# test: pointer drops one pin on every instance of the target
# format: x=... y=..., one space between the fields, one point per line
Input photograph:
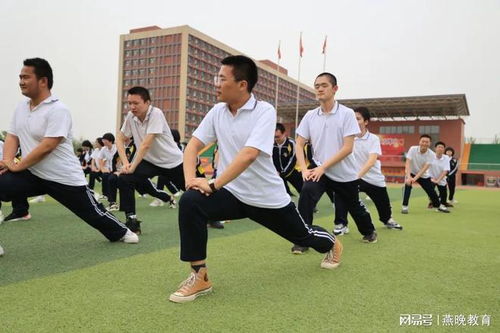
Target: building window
x=428 y=129
x=397 y=129
x=127 y=54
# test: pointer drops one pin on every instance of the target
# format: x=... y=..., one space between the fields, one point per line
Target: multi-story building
x=178 y=66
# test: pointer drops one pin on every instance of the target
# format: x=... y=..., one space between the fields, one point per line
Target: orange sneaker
x=195 y=285
x=332 y=257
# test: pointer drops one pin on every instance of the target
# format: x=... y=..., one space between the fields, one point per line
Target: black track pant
x=78 y=199
x=294 y=178
x=428 y=187
x=347 y=191
x=451 y=185
x=137 y=180
x=196 y=209
x=377 y=194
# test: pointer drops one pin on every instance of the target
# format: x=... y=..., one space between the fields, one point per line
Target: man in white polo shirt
x=366 y=152
x=418 y=160
x=331 y=129
x=438 y=171
x=157 y=153
x=247 y=184
x=41 y=126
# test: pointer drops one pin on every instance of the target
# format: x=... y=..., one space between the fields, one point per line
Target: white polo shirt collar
x=364 y=137
x=333 y=111
x=145 y=118
x=250 y=105
x=48 y=100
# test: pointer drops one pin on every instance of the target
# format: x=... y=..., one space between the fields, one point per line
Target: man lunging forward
x=244 y=129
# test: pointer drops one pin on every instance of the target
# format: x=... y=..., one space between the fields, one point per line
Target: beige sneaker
x=332 y=257
x=195 y=285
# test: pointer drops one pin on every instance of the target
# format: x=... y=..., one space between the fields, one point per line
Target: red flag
x=324 y=46
x=301 y=46
x=279 y=50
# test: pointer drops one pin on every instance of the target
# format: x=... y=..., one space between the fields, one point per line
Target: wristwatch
x=211 y=183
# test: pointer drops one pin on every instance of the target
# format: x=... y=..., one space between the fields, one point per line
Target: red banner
x=392 y=144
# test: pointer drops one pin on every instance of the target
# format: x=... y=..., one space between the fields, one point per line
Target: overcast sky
x=376 y=48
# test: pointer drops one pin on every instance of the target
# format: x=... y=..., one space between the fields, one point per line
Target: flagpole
x=298 y=87
x=324 y=54
x=277 y=77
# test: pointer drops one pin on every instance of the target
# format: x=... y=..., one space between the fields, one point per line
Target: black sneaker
x=216 y=224
x=17 y=217
x=297 y=249
x=134 y=225
x=371 y=238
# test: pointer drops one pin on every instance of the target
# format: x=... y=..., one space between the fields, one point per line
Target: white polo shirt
x=418 y=160
x=438 y=166
x=363 y=147
x=49 y=119
x=164 y=151
x=107 y=155
x=326 y=131
x=253 y=126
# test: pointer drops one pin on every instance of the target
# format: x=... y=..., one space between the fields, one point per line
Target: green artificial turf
x=59 y=275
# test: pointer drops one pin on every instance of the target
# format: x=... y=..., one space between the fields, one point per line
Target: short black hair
x=439 y=143
x=141 y=91
x=280 y=127
x=42 y=69
x=330 y=76
x=244 y=69
x=109 y=136
x=426 y=136
x=86 y=143
x=79 y=150
x=364 y=112
x=450 y=149
x=99 y=141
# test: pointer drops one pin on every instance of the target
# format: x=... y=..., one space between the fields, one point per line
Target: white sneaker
x=1 y=217
x=143 y=196
x=404 y=210
x=113 y=207
x=340 y=230
x=454 y=201
x=1 y=251
x=156 y=203
x=40 y=198
x=177 y=194
x=97 y=196
x=130 y=238
x=443 y=209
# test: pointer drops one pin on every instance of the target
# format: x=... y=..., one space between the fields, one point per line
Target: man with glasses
x=247 y=184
